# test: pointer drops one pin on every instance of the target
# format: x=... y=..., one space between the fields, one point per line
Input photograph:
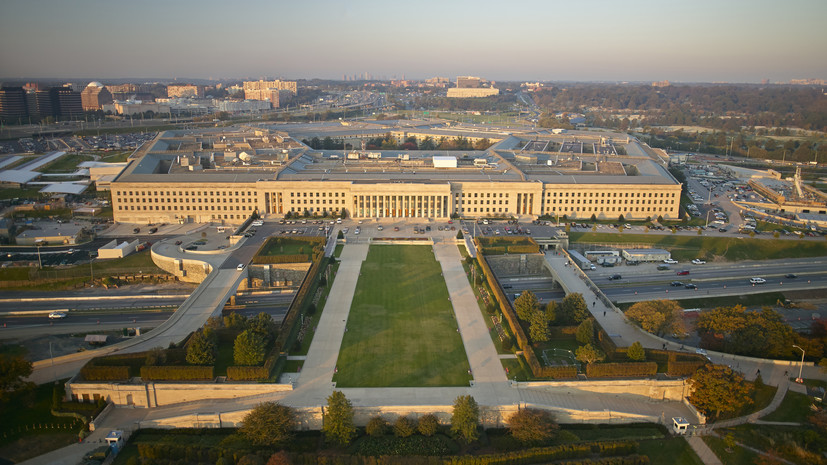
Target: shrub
x=428 y=425
x=176 y=373
x=404 y=427
x=532 y=426
x=377 y=426
x=249 y=348
x=105 y=373
x=621 y=370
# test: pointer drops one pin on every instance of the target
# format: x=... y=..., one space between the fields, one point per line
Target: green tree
x=465 y=418
x=585 y=332
x=532 y=426
x=762 y=333
x=716 y=390
x=201 y=349
x=551 y=312
x=636 y=352
x=573 y=309
x=404 y=427
x=589 y=354
x=269 y=424
x=538 y=329
x=377 y=426
x=13 y=370
x=428 y=425
x=249 y=349
x=338 y=419
x=235 y=321
x=262 y=324
x=525 y=305
x=658 y=316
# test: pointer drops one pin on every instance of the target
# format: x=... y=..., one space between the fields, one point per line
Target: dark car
x=691 y=286
x=683 y=272
x=614 y=277
x=676 y=284
x=791 y=276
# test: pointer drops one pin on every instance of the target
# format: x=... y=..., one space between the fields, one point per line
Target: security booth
x=679 y=425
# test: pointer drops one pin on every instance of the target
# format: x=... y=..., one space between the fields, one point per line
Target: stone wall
x=518 y=265
x=279 y=274
x=160 y=394
x=187 y=270
x=657 y=390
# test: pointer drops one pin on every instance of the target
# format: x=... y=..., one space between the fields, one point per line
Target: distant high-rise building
x=40 y=103
x=468 y=82
x=95 y=96
x=661 y=84
x=13 y=104
x=471 y=87
x=66 y=103
x=125 y=88
x=261 y=90
x=185 y=90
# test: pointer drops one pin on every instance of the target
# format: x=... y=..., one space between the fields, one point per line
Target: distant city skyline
x=592 y=40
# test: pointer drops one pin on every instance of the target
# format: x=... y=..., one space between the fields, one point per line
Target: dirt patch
x=63 y=344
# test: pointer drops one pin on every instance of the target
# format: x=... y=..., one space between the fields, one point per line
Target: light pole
x=39 y=261
x=799 y=380
x=707 y=218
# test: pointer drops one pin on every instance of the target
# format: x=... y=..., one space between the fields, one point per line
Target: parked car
x=240 y=267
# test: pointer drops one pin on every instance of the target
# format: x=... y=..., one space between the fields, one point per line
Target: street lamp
x=799 y=380
x=707 y=218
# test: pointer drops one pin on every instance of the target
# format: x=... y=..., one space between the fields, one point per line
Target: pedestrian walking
x=604 y=312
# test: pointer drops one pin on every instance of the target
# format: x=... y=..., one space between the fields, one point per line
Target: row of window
x=185 y=193
x=185 y=200
x=177 y=208
x=611 y=194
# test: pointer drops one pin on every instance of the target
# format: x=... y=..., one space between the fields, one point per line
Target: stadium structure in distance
x=225 y=175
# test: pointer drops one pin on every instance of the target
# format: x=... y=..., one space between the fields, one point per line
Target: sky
x=520 y=40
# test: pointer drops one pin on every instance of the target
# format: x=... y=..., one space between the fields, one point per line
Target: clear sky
x=583 y=40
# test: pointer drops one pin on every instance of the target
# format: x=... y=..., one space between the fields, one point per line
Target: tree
x=551 y=311
x=13 y=369
x=404 y=427
x=235 y=321
x=201 y=349
x=762 y=333
x=573 y=309
x=532 y=426
x=636 y=352
x=589 y=354
x=823 y=364
x=249 y=348
x=465 y=418
x=377 y=426
x=428 y=425
x=585 y=332
x=262 y=324
x=338 y=419
x=717 y=390
x=269 y=424
x=538 y=329
x=658 y=316
x=525 y=305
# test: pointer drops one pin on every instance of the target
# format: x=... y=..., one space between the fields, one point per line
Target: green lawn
x=709 y=248
x=670 y=451
x=794 y=408
x=288 y=246
x=401 y=330
x=736 y=456
x=66 y=163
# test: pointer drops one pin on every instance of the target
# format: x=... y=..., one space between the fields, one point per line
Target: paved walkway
x=704 y=452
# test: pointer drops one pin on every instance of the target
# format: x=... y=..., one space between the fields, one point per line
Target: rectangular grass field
x=401 y=331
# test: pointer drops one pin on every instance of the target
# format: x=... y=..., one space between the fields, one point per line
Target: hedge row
x=273 y=259
x=621 y=370
x=245 y=373
x=509 y=314
x=524 y=249
x=104 y=373
x=676 y=368
x=176 y=373
x=559 y=372
x=300 y=301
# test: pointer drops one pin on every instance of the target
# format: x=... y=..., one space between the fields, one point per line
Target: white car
x=670 y=261
x=240 y=267
x=698 y=261
x=57 y=315
x=757 y=280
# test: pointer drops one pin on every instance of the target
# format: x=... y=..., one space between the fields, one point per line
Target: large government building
x=225 y=175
